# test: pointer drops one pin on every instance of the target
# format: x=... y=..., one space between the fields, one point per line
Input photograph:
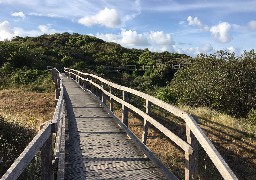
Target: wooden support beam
x=103 y=96
x=125 y=109
x=191 y=160
x=111 y=102
x=146 y=123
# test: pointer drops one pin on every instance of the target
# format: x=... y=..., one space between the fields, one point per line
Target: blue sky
x=183 y=26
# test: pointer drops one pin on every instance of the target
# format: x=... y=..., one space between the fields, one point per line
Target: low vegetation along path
x=96 y=147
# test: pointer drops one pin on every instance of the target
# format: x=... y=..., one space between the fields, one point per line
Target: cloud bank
x=106 y=17
x=221 y=32
x=153 y=40
x=7 y=32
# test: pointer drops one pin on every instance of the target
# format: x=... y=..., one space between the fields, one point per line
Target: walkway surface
x=96 y=147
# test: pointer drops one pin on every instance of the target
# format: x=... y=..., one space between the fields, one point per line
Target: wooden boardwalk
x=96 y=147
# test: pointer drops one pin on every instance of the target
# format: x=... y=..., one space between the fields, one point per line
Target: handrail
x=193 y=131
x=44 y=139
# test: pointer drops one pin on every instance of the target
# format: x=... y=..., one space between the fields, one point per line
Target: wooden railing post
x=191 y=160
x=103 y=96
x=111 y=102
x=46 y=160
x=85 y=84
x=125 y=109
x=92 y=88
x=145 y=123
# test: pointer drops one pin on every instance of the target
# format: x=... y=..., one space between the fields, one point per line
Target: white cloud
x=205 y=48
x=133 y=38
x=154 y=40
x=197 y=23
x=46 y=29
x=161 y=41
x=189 y=51
x=106 y=17
x=231 y=49
x=221 y=32
x=160 y=38
x=235 y=50
x=8 y=32
x=252 y=24
x=109 y=37
x=5 y=31
x=19 y=14
x=194 y=21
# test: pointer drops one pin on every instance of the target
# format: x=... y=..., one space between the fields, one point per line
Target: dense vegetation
x=222 y=81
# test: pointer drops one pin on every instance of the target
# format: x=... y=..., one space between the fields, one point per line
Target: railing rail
x=173 y=66
x=193 y=132
x=51 y=132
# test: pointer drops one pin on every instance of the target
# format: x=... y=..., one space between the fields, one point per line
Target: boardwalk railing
x=140 y=67
x=51 y=133
x=194 y=133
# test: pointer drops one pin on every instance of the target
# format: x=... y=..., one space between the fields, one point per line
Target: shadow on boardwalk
x=74 y=158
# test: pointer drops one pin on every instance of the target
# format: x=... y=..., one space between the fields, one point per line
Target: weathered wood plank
x=139 y=144
x=185 y=146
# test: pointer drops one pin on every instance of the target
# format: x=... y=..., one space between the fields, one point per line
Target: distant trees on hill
x=72 y=50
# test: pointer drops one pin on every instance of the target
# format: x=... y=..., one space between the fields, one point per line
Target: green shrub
x=165 y=94
x=218 y=81
x=25 y=76
x=252 y=116
x=31 y=79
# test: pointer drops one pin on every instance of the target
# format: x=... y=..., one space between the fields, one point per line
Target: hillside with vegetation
x=218 y=88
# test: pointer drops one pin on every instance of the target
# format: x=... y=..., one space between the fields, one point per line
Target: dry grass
x=28 y=109
x=234 y=139
x=21 y=114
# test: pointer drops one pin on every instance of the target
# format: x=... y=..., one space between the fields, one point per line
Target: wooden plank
x=139 y=144
x=184 y=145
x=28 y=154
